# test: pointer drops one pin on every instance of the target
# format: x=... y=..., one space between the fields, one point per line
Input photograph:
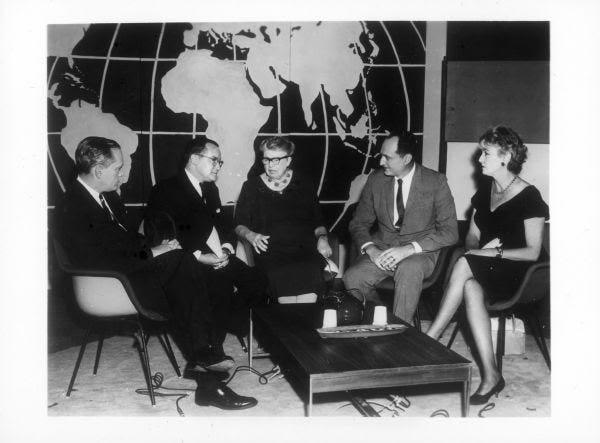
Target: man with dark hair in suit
x=91 y=226
x=415 y=215
x=192 y=200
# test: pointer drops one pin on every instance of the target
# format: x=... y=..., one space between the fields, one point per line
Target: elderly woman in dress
x=278 y=213
x=504 y=238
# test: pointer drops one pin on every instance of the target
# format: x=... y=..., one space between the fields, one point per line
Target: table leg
x=465 y=396
x=310 y=399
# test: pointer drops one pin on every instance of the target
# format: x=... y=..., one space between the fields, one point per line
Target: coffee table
x=346 y=364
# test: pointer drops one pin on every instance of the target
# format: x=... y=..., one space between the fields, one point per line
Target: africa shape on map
x=333 y=87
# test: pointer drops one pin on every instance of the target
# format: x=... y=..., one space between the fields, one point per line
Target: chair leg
x=141 y=338
x=78 y=362
x=536 y=328
x=453 y=336
x=250 y=340
x=164 y=340
x=98 y=351
x=500 y=341
x=417 y=319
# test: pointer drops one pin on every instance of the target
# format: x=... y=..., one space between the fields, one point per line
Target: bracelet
x=499 y=251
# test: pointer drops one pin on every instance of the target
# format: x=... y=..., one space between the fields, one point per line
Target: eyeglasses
x=273 y=161
x=215 y=160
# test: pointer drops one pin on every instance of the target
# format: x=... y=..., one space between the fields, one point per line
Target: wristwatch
x=499 y=251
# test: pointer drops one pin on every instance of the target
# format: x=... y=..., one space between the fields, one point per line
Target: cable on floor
x=158 y=378
x=486 y=408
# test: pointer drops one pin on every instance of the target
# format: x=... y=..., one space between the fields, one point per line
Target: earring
x=503 y=164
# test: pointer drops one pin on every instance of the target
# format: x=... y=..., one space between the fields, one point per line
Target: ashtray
x=358 y=331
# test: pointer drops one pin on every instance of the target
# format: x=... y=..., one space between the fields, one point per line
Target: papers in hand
x=214 y=243
x=331 y=267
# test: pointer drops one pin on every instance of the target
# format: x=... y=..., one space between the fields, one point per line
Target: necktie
x=109 y=212
x=399 y=204
x=202 y=193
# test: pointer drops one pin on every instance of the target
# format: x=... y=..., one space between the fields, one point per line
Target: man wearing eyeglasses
x=192 y=200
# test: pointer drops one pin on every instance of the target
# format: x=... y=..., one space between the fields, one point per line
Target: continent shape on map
x=324 y=56
x=85 y=119
x=218 y=90
x=63 y=38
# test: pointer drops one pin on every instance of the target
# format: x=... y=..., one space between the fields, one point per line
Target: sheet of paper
x=332 y=267
x=214 y=243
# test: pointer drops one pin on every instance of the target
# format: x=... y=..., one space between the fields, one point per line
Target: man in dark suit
x=192 y=200
x=415 y=216
x=91 y=226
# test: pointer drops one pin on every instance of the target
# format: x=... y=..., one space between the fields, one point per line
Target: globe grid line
x=110 y=48
x=259 y=134
x=401 y=75
x=326 y=154
x=418 y=35
x=150 y=138
x=56 y=174
x=170 y=59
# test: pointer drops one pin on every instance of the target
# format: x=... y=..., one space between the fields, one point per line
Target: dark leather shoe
x=481 y=399
x=223 y=398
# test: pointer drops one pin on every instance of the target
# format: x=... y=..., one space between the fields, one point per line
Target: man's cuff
x=417 y=247
x=363 y=247
x=197 y=254
x=228 y=247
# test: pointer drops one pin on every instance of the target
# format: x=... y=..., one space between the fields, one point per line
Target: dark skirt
x=292 y=275
x=500 y=278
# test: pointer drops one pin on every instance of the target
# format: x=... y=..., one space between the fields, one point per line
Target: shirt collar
x=408 y=177
x=194 y=181
x=95 y=194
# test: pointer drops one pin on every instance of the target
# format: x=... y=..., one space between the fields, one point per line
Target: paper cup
x=329 y=318
x=380 y=316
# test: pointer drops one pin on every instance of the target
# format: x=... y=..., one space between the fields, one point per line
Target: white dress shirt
x=406 y=182
x=196 y=184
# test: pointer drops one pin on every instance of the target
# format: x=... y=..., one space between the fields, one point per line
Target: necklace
x=503 y=191
x=281 y=181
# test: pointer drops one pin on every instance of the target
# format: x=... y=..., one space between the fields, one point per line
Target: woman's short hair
x=277 y=143
x=508 y=141
x=92 y=151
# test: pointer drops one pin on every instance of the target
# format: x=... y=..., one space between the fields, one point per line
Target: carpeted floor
x=112 y=391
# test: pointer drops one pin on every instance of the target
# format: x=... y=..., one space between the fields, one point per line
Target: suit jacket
x=194 y=216
x=429 y=218
x=91 y=238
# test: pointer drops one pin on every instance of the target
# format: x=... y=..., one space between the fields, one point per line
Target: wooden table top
x=294 y=326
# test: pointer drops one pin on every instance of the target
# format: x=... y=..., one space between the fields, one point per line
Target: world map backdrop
x=334 y=88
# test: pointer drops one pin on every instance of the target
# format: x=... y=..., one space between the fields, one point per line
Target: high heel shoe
x=481 y=399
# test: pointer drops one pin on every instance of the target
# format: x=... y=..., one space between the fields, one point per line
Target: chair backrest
x=100 y=296
x=61 y=256
x=534 y=287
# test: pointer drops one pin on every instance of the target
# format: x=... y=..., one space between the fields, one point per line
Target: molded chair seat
x=107 y=296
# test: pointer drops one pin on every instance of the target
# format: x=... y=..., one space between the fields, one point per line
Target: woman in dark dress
x=504 y=238
x=278 y=213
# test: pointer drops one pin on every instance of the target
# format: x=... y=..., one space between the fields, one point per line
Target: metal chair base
x=141 y=338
